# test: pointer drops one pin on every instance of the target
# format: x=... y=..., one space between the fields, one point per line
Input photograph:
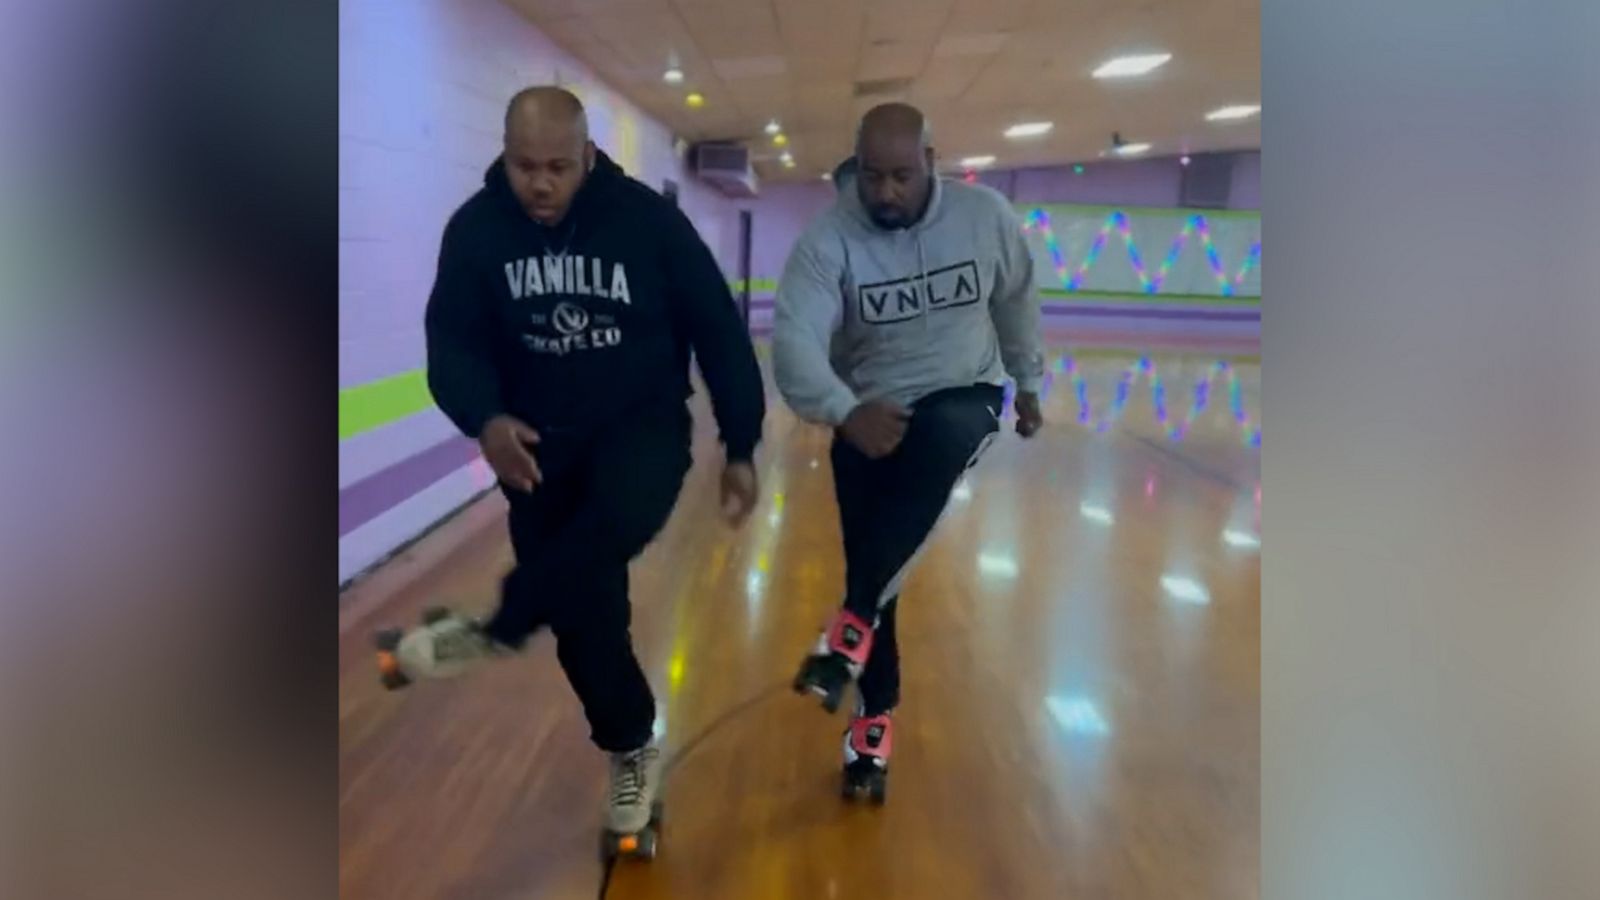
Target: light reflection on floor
x=1081 y=668
x=1179 y=391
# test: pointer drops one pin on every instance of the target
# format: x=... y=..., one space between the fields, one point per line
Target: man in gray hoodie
x=900 y=312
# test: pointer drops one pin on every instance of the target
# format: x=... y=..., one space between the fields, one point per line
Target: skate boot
x=633 y=820
x=446 y=644
x=837 y=659
x=866 y=757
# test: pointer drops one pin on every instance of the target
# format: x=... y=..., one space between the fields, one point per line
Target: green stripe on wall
x=1132 y=298
x=1163 y=211
x=377 y=403
x=757 y=285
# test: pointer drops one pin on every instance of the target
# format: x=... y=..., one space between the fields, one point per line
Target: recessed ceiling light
x=695 y=100
x=773 y=127
x=1232 y=113
x=976 y=162
x=1186 y=590
x=673 y=75
x=1235 y=538
x=1131 y=66
x=1029 y=129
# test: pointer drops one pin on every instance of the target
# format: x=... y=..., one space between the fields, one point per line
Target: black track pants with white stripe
x=888 y=508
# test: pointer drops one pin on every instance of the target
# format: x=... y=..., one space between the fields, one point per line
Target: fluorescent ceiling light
x=1096 y=513
x=1232 y=113
x=1029 y=129
x=976 y=162
x=1132 y=149
x=1236 y=538
x=1186 y=590
x=1131 y=66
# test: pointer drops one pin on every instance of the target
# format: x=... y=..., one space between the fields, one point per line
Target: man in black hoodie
x=568 y=300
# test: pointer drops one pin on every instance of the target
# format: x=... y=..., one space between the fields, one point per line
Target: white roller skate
x=633 y=818
x=445 y=645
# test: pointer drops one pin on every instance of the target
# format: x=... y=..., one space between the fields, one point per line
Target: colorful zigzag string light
x=1038 y=221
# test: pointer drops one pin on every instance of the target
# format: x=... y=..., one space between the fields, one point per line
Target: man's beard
x=889 y=218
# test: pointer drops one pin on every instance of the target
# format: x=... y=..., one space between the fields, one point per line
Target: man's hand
x=739 y=491
x=1029 y=417
x=505 y=442
x=876 y=427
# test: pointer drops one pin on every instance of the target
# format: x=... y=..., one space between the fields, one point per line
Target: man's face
x=892 y=179
x=546 y=164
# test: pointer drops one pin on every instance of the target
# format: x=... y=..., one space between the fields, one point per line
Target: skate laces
x=628 y=776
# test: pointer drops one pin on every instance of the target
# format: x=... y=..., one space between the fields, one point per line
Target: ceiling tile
x=975 y=66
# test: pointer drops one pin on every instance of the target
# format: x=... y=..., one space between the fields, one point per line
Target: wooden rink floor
x=1080 y=714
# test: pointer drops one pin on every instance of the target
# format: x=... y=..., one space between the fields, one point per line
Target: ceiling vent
x=882 y=87
x=726 y=167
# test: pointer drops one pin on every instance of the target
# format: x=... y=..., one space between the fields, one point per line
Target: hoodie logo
x=569 y=318
x=887 y=302
x=583 y=276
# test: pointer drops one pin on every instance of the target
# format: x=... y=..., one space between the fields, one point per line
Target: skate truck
x=641 y=844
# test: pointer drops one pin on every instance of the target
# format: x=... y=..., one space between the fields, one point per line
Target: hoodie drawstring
x=922 y=270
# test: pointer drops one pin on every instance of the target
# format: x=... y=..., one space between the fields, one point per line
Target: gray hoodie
x=869 y=314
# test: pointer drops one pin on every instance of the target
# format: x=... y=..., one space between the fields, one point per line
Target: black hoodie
x=589 y=323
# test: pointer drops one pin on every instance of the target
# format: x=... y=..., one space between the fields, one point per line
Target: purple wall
x=1246 y=193
x=783 y=211
x=1145 y=182
x=778 y=216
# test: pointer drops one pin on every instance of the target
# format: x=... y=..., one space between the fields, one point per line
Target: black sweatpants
x=603 y=499
x=888 y=508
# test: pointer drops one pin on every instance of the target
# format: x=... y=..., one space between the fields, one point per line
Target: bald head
x=546 y=106
x=893 y=122
x=895 y=163
x=547 y=150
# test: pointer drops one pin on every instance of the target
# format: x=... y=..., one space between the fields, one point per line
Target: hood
x=601 y=180
x=849 y=203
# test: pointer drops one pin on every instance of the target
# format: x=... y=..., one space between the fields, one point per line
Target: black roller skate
x=633 y=819
x=866 y=757
x=446 y=644
x=837 y=659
